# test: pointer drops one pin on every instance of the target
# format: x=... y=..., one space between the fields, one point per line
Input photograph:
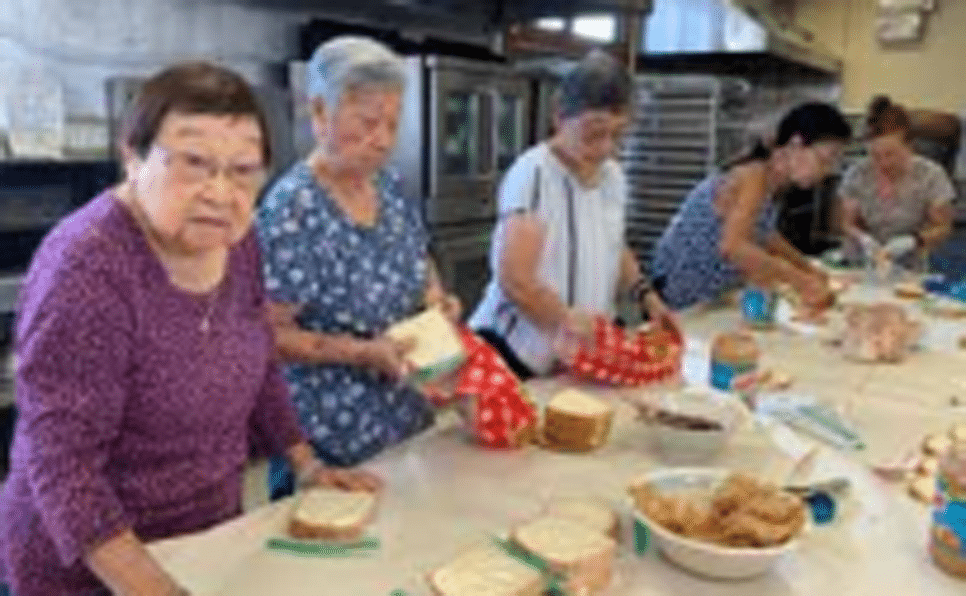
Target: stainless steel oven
x=462 y=255
x=464 y=122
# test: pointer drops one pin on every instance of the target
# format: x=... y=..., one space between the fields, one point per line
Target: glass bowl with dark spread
x=693 y=427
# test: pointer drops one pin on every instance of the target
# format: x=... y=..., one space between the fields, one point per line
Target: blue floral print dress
x=346 y=278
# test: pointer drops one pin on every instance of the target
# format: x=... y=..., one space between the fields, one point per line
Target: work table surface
x=443 y=494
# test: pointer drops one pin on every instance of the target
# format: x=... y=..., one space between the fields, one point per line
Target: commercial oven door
x=511 y=131
x=462 y=166
x=462 y=256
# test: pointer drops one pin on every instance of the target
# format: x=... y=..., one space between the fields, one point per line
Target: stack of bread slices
x=574 y=540
x=575 y=421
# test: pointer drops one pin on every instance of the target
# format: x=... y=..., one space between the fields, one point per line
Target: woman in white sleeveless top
x=559 y=257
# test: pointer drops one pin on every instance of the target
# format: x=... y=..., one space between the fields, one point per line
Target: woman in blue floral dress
x=346 y=256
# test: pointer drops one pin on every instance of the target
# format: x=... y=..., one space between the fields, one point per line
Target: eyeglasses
x=189 y=167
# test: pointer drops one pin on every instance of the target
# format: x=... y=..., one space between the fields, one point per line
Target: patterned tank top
x=688 y=265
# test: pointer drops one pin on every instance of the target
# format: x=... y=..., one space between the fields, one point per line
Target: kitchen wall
x=926 y=74
x=81 y=43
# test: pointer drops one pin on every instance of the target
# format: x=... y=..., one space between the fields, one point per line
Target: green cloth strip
x=642 y=537
x=434 y=371
x=323 y=549
x=554 y=580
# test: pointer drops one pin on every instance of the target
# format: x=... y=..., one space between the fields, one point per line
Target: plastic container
x=947 y=543
x=758 y=307
x=732 y=354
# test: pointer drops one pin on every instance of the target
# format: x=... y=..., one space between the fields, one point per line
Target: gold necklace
x=205 y=325
x=128 y=192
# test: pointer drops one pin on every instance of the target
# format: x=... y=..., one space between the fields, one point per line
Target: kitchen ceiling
x=467 y=15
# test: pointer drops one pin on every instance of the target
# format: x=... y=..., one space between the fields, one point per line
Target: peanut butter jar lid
x=952 y=465
x=735 y=346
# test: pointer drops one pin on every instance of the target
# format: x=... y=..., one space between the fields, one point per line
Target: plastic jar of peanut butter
x=733 y=354
x=758 y=307
x=947 y=543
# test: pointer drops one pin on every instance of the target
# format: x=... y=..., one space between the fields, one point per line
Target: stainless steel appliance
x=731 y=36
x=462 y=255
x=464 y=123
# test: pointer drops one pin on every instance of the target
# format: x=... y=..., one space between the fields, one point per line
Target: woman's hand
x=869 y=245
x=816 y=294
x=126 y=568
x=450 y=305
x=574 y=332
x=660 y=314
x=899 y=246
x=388 y=356
x=318 y=475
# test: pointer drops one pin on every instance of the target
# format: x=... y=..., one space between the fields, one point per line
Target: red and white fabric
x=497 y=411
x=623 y=358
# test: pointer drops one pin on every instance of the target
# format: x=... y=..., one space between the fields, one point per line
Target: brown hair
x=190 y=88
x=886 y=118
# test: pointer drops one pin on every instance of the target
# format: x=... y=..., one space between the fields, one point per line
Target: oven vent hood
x=743 y=37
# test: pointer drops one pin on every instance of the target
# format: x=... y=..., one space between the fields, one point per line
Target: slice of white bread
x=332 y=514
x=908 y=289
x=593 y=513
x=574 y=420
x=582 y=555
x=957 y=433
x=485 y=570
x=438 y=348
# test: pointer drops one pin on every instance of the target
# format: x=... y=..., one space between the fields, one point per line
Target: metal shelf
x=684 y=125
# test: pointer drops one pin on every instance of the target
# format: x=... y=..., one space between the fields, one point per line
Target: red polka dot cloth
x=497 y=411
x=623 y=358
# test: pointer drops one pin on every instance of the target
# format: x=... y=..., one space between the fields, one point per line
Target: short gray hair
x=596 y=82
x=348 y=62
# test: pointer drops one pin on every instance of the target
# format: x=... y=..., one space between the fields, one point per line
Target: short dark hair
x=813 y=122
x=596 y=82
x=886 y=118
x=190 y=88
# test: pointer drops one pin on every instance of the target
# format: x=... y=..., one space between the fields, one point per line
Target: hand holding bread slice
x=437 y=348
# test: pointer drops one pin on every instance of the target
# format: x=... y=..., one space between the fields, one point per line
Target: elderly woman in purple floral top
x=146 y=372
